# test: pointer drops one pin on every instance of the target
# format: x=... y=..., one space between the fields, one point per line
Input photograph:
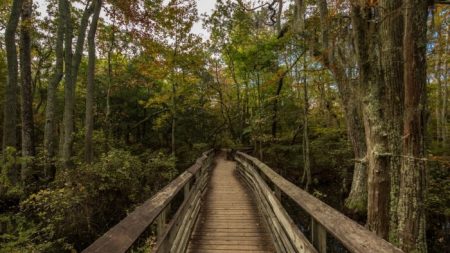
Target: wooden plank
x=229 y=220
x=319 y=236
x=353 y=236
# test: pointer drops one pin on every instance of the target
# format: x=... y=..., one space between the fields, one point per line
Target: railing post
x=161 y=222
x=277 y=192
x=318 y=236
x=187 y=189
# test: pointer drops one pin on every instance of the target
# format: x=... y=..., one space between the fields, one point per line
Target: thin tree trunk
x=306 y=163
x=90 y=96
x=411 y=205
x=68 y=96
x=72 y=62
x=108 y=92
x=50 y=121
x=28 y=146
x=174 y=122
x=445 y=107
x=275 y=107
x=10 y=105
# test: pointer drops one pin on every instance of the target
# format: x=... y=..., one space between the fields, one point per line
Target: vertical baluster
x=187 y=189
x=277 y=192
x=161 y=222
x=319 y=236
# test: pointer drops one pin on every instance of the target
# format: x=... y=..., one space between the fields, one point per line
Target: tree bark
x=50 y=122
x=411 y=205
x=90 y=96
x=10 y=106
x=28 y=145
x=391 y=30
x=68 y=96
x=376 y=128
x=72 y=62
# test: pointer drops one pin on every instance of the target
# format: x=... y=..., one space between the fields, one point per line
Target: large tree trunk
x=391 y=30
x=10 y=106
x=50 y=121
x=411 y=205
x=90 y=96
x=28 y=147
x=357 y=198
x=374 y=114
x=349 y=95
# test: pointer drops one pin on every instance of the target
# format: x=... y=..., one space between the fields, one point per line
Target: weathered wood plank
x=229 y=220
x=319 y=236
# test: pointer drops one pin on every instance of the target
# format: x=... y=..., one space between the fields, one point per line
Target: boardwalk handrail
x=122 y=236
x=353 y=236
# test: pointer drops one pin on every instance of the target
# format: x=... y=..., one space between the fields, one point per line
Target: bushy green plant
x=84 y=202
x=10 y=190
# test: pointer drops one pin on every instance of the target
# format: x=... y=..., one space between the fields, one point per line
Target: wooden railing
x=172 y=234
x=324 y=219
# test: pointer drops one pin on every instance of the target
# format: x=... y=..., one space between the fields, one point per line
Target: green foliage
x=10 y=188
x=82 y=203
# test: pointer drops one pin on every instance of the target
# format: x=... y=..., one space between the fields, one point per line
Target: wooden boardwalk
x=229 y=221
x=221 y=214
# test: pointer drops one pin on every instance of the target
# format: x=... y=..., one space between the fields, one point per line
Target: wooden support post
x=318 y=236
x=187 y=190
x=161 y=222
x=277 y=192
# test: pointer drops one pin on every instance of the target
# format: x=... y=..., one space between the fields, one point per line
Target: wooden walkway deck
x=229 y=221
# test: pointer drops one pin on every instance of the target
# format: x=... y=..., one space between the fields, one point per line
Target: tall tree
x=72 y=63
x=50 y=121
x=391 y=58
x=349 y=95
x=28 y=145
x=90 y=96
x=371 y=82
x=10 y=106
x=411 y=208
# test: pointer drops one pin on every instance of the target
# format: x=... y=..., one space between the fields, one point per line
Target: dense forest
x=104 y=102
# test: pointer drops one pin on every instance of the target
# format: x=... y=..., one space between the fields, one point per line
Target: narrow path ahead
x=229 y=221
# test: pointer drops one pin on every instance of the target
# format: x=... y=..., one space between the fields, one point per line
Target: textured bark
x=50 y=121
x=375 y=125
x=28 y=145
x=90 y=96
x=357 y=198
x=391 y=30
x=411 y=205
x=10 y=104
